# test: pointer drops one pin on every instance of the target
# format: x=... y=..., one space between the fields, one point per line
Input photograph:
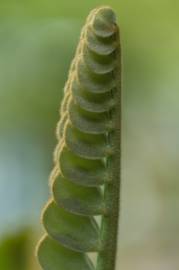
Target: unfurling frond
x=86 y=178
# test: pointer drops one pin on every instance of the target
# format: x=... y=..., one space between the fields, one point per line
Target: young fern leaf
x=86 y=179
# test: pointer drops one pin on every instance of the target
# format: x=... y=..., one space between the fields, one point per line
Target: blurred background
x=37 y=42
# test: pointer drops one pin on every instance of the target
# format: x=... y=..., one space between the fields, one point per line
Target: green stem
x=109 y=230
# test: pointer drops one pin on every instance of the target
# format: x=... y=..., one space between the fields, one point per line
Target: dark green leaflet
x=86 y=177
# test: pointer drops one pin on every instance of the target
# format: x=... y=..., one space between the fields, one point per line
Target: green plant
x=14 y=251
x=86 y=178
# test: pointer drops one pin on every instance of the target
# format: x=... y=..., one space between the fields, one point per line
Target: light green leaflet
x=85 y=181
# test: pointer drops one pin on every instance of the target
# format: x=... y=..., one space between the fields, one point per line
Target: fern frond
x=86 y=178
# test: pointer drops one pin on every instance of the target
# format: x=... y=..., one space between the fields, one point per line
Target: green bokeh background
x=37 y=42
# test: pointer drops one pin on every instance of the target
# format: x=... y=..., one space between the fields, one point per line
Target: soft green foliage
x=85 y=180
x=14 y=251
